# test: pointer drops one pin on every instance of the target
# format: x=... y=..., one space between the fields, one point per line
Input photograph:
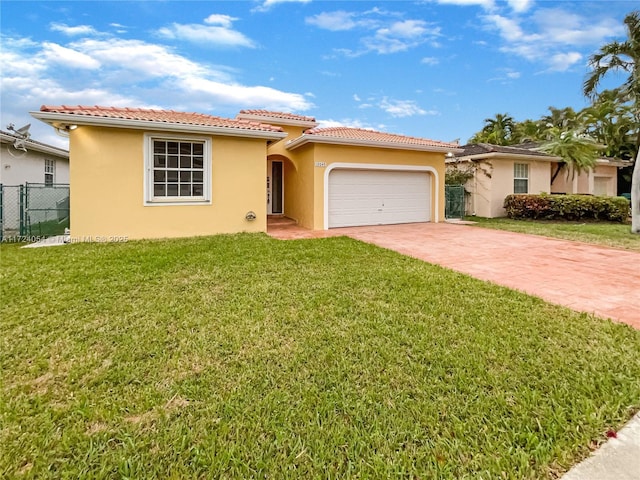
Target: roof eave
x=63 y=120
x=37 y=146
x=277 y=120
x=520 y=156
x=304 y=139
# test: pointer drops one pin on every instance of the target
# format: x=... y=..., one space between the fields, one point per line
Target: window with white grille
x=49 y=172
x=178 y=170
x=520 y=178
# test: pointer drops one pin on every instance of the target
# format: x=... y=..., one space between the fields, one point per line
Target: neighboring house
x=35 y=162
x=22 y=210
x=601 y=180
x=150 y=174
x=499 y=171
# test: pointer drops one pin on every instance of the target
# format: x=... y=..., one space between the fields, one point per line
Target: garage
x=359 y=197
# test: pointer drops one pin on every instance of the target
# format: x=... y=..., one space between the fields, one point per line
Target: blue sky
x=430 y=68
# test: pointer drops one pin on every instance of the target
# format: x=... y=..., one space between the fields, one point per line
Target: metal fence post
x=22 y=208
x=1 y=212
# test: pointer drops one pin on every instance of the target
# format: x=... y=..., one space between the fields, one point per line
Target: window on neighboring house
x=49 y=172
x=520 y=178
x=178 y=170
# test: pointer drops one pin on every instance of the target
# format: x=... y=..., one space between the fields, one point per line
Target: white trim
x=376 y=166
x=37 y=146
x=527 y=178
x=306 y=138
x=62 y=120
x=147 y=149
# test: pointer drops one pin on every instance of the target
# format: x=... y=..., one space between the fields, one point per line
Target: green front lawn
x=600 y=233
x=242 y=356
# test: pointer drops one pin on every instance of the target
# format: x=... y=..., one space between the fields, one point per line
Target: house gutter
x=37 y=146
x=64 y=121
x=305 y=138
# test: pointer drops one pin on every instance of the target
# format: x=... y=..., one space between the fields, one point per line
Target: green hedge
x=567 y=207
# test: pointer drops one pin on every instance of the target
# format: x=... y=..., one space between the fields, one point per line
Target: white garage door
x=378 y=197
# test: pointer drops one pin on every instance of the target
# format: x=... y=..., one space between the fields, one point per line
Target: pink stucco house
x=499 y=171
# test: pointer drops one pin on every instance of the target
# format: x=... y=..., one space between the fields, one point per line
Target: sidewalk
x=618 y=459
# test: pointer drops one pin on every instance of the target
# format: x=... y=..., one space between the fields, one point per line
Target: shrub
x=566 y=207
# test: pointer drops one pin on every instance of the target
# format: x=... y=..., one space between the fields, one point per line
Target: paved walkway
x=583 y=277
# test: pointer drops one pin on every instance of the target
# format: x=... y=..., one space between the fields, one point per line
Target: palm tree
x=622 y=56
x=610 y=121
x=497 y=131
x=528 y=131
x=579 y=152
x=564 y=118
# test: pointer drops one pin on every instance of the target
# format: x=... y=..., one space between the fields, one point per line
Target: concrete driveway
x=583 y=277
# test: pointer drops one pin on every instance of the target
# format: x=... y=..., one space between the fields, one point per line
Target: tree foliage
x=623 y=57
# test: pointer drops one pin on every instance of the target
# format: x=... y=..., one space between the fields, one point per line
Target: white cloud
x=430 y=61
x=220 y=19
x=334 y=21
x=403 y=108
x=487 y=4
x=72 y=31
x=67 y=57
x=514 y=75
x=145 y=60
x=132 y=73
x=218 y=32
x=562 y=27
x=520 y=5
x=386 y=34
x=247 y=96
x=348 y=122
x=563 y=61
x=266 y=5
x=490 y=5
x=401 y=36
x=550 y=36
x=510 y=29
x=356 y=97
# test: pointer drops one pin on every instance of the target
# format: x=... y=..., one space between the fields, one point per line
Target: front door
x=274 y=187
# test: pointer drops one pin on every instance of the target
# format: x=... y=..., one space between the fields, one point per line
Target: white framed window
x=520 y=178
x=49 y=172
x=177 y=169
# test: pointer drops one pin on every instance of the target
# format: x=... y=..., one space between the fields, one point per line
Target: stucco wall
x=107 y=189
x=332 y=154
x=584 y=183
x=299 y=186
x=29 y=167
x=493 y=181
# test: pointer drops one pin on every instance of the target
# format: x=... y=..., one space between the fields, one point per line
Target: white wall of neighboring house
x=603 y=180
x=493 y=181
x=18 y=167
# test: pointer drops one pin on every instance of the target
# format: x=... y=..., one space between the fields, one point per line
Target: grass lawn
x=615 y=235
x=241 y=356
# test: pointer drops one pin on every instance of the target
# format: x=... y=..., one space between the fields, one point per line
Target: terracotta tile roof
x=486 y=148
x=360 y=134
x=281 y=115
x=160 y=116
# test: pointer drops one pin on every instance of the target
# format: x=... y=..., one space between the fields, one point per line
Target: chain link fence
x=33 y=210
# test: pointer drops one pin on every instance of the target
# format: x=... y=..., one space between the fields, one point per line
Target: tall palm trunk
x=635 y=196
